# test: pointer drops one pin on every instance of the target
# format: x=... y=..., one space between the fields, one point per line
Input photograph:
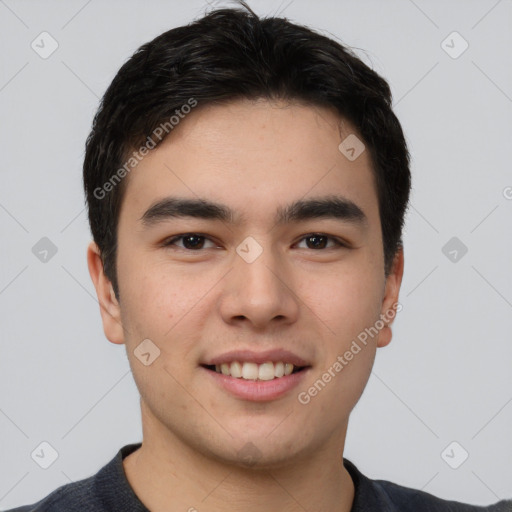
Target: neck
x=165 y=470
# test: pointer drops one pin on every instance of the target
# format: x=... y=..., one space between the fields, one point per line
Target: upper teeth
x=253 y=371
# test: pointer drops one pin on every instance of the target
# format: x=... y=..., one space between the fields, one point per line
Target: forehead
x=255 y=156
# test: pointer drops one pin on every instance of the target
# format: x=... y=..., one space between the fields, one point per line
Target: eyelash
x=170 y=241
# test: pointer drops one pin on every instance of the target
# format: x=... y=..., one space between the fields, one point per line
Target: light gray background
x=446 y=375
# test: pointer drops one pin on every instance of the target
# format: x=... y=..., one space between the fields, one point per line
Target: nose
x=260 y=293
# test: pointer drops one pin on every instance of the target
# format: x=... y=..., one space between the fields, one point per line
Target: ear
x=390 y=304
x=109 y=306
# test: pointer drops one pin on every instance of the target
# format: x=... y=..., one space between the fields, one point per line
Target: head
x=251 y=115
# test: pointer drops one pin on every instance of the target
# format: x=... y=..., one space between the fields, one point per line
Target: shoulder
x=74 y=496
x=386 y=496
x=105 y=490
x=406 y=498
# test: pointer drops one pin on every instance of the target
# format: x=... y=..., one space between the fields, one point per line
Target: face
x=250 y=282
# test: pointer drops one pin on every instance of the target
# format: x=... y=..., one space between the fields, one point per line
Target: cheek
x=152 y=294
x=150 y=304
x=158 y=308
x=165 y=307
x=348 y=300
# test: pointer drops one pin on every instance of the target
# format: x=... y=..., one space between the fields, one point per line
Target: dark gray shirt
x=109 y=491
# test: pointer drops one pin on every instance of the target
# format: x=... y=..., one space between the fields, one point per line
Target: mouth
x=257 y=376
x=269 y=370
x=254 y=382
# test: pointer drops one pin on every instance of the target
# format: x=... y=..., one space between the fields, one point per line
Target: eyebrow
x=333 y=206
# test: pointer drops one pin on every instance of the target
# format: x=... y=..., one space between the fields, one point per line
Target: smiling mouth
x=256 y=372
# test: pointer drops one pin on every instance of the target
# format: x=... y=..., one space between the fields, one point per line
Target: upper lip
x=249 y=356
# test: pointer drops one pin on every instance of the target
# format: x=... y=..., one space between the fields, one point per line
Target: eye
x=191 y=241
x=319 y=240
x=196 y=241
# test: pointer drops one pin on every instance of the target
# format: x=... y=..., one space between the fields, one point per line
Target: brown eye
x=317 y=241
x=190 y=241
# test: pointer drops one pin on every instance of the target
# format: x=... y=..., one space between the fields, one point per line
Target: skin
x=252 y=156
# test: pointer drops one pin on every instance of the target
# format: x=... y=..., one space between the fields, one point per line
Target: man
x=247 y=182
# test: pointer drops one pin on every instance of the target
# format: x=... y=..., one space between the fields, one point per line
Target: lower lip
x=258 y=390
